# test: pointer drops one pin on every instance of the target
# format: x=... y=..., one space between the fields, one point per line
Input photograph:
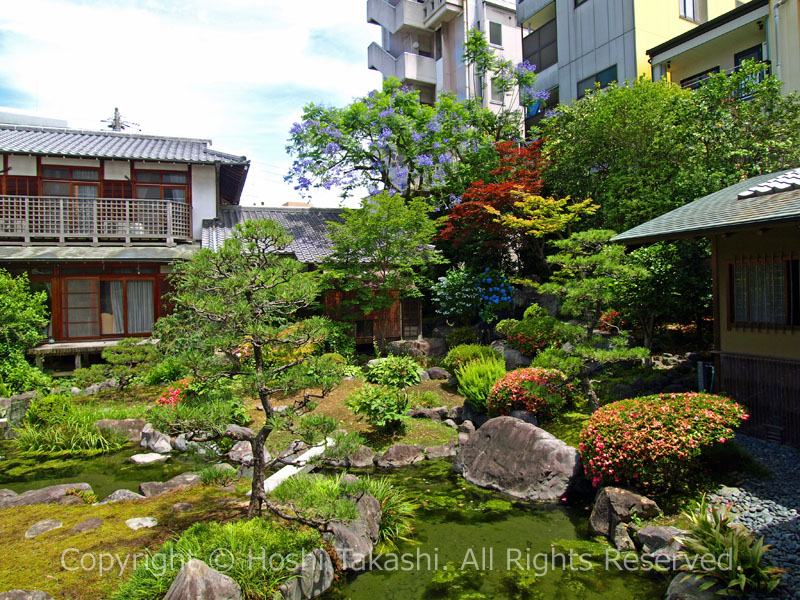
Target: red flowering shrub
x=532 y=389
x=174 y=394
x=531 y=336
x=654 y=443
x=611 y=322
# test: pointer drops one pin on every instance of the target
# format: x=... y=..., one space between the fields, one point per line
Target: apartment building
x=576 y=44
x=422 y=45
x=757 y=30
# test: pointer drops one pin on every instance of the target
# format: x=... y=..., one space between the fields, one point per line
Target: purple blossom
x=438 y=175
x=296 y=129
x=549 y=114
x=386 y=113
x=436 y=145
x=542 y=95
x=445 y=158
x=332 y=148
x=434 y=126
x=525 y=67
x=417 y=137
x=386 y=133
x=454 y=199
x=424 y=160
x=332 y=131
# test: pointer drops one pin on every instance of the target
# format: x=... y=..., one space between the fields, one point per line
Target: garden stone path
x=771 y=508
x=42 y=527
x=140 y=522
x=89 y=524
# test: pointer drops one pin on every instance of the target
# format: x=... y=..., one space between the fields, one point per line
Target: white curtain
x=140 y=306
x=117 y=306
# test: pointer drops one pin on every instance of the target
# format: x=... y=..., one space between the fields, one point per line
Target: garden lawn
x=416 y=431
x=37 y=563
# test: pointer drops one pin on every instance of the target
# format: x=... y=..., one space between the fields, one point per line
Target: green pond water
x=472 y=544
x=105 y=473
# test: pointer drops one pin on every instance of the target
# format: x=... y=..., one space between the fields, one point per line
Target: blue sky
x=237 y=72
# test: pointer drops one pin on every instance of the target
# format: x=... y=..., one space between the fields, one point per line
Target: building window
x=365 y=328
x=764 y=292
x=540 y=48
x=93 y=306
x=166 y=185
x=695 y=81
x=76 y=182
x=693 y=10
x=437 y=44
x=498 y=93
x=603 y=78
x=495 y=33
x=579 y=2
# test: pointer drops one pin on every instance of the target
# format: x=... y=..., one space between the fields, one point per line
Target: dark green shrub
x=50 y=409
x=459 y=356
x=344 y=444
x=532 y=335
x=87 y=376
x=383 y=407
x=214 y=475
x=334 y=357
x=165 y=371
x=426 y=399
x=459 y=336
x=476 y=378
x=18 y=375
x=395 y=371
x=340 y=339
x=314 y=428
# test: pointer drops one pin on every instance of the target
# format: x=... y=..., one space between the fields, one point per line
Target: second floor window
x=166 y=185
x=693 y=10
x=604 y=78
x=495 y=33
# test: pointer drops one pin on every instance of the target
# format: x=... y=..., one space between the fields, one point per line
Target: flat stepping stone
x=42 y=527
x=182 y=507
x=141 y=522
x=153 y=488
x=88 y=525
x=149 y=458
x=23 y=595
x=120 y=496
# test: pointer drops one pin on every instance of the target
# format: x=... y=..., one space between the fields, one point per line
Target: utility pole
x=116 y=123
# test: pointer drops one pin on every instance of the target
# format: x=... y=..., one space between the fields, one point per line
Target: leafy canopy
x=389 y=141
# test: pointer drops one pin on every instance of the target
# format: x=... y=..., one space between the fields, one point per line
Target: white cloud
x=237 y=72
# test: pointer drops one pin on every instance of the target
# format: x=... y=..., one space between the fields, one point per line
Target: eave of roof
x=719 y=212
x=96 y=253
x=708 y=26
x=78 y=143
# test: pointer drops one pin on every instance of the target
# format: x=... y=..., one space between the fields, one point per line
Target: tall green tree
x=238 y=315
x=389 y=141
x=381 y=252
x=644 y=148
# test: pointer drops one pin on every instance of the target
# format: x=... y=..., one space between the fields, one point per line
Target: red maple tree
x=470 y=226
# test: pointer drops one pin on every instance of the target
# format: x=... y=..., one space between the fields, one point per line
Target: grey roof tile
x=307 y=226
x=110 y=144
x=727 y=209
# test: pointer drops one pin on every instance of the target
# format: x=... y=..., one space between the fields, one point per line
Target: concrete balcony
x=405 y=14
x=527 y=8
x=437 y=12
x=407 y=67
x=98 y=221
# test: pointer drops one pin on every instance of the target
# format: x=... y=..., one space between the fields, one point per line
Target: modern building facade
x=422 y=45
x=576 y=44
x=758 y=30
x=96 y=217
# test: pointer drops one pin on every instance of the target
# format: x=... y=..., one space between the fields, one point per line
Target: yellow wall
x=657 y=21
x=785 y=343
x=718 y=52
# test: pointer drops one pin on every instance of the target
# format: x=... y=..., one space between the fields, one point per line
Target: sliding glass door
x=95 y=307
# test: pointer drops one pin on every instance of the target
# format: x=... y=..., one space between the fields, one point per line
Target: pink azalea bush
x=174 y=394
x=654 y=443
x=533 y=389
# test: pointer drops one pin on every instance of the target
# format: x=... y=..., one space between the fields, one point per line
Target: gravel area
x=771 y=508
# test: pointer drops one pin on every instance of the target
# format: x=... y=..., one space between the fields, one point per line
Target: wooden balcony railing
x=47 y=220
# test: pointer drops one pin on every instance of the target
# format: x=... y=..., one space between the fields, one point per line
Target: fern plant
x=476 y=378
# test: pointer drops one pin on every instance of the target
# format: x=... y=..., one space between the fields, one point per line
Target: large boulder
x=353 y=542
x=154 y=440
x=652 y=538
x=103 y=386
x=434 y=414
x=614 y=505
x=153 y=488
x=688 y=588
x=130 y=428
x=419 y=347
x=447 y=450
x=401 y=455
x=121 y=496
x=48 y=495
x=197 y=581
x=514 y=358
x=242 y=453
x=312 y=577
x=362 y=458
x=520 y=460
x=438 y=373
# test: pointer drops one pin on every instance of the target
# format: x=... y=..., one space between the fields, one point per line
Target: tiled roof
x=308 y=227
x=727 y=209
x=109 y=144
x=104 y=253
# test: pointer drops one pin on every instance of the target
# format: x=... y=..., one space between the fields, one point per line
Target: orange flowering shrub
x=654 y=442
x=533 y=389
